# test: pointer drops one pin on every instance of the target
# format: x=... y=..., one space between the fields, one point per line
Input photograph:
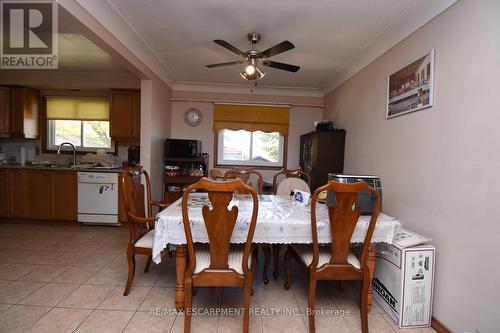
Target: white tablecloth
x=279 y=221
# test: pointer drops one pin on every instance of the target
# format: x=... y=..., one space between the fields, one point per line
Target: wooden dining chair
x=337 y=262
x=289 y=173
x=245 y=175
x=140 y=218
x=296 y=179
x=219 y=265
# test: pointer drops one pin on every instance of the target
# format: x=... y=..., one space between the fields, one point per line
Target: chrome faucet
x=68 y=144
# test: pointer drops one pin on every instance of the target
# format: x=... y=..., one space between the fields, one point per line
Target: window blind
x=251 y=118
x=71 y=108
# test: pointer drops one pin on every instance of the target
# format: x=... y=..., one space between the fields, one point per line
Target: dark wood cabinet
x=17 y=189
x=4 y=111
x=64 y=196
x=125 y=115
x=37 y=194
x=174 y=182
x=322 y=153
x=4 y=193
x=24 y=112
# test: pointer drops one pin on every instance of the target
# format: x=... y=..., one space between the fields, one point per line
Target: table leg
x=371 y=266
x=181 y=257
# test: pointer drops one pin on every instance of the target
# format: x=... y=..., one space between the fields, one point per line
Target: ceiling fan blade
x=280 y=65
x=277 y=49
x=225 y=64
x=230 y=47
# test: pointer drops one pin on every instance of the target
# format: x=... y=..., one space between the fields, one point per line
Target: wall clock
x=192 y=117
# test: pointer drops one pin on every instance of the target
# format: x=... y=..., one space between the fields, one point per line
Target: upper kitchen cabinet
x=19 y=112
x=125 y=115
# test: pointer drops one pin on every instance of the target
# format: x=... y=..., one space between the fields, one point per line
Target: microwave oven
x=182 y=148
x=365 y=199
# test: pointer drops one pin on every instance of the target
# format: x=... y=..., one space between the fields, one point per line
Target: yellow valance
x=251 y=118
x=71 y=108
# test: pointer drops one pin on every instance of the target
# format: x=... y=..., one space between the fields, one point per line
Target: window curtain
x=251 y=118
x=70 y=108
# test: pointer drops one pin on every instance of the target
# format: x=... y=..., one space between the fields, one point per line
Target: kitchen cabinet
x=37 y=194
x=64 y=196
x=4 y=111
x=4 y=193
x=17 y=189
x=125 y=115
x=24 y=113
x=322 y=153
x=44 y=194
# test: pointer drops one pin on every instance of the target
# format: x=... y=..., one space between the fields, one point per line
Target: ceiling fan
x=251 y=57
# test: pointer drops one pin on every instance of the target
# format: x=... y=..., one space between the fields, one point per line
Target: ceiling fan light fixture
x=250 y=69
x=260 y=74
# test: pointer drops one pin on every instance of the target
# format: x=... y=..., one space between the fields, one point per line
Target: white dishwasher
x=98 y=198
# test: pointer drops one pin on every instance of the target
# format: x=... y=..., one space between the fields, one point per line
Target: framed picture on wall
x=411 y=88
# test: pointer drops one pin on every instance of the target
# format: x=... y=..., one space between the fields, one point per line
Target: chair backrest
x=132 y=191
x=219 y=221
x=288 y=173
x=343 y=220
x=245 y=175
x=290 y=184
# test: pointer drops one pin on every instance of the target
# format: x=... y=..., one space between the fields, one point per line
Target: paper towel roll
x=22 y=155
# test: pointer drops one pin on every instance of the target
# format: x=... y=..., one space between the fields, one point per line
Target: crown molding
x=413 y=18
x=247 y=89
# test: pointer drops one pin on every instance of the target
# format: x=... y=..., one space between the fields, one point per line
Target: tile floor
x=59 y=278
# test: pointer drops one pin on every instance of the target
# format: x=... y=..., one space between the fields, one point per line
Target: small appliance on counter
x=182 y=148
x=403 y=279
x=365 y=200
x=134 y=155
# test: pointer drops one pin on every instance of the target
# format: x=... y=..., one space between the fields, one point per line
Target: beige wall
x=440 y=167
x=301 y=121
x=155 y=127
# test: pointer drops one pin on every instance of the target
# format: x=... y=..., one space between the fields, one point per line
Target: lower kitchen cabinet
x=64 y=196
x=38 y=194
x=17 y=191
x=4 y=193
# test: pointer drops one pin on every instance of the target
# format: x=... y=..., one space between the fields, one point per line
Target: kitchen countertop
x=58 y=168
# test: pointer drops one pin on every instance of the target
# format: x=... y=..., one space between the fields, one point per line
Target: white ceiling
x=333 y=38
x=77 y=53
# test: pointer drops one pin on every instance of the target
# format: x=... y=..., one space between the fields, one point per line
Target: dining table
x=280 y=220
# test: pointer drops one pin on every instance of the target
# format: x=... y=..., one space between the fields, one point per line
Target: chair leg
x=276 y=254
x=288 y=269
x=131 y=269
x=148 y=263
x=253 y=267
x=246 y=305
x=364 y=305
x=311 y=304
x=188 y=303
x=267 y=260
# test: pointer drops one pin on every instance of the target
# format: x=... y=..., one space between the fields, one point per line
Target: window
x=83 y=122
x=257 y=148
x=86 y=134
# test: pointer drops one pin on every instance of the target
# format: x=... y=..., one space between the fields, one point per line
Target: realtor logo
x=28 y=34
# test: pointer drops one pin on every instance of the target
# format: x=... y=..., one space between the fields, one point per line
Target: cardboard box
x=403 y=280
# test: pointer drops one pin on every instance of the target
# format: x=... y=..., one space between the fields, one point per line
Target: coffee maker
x=134 y=155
